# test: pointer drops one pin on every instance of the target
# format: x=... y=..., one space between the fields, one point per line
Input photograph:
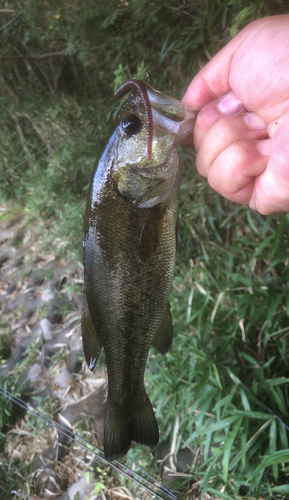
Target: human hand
x=242 y=129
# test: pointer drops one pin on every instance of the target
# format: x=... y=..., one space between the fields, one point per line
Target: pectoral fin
x=151 y=233
x=164 y=337
x=91 y=344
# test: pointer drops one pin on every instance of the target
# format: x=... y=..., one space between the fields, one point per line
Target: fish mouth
x=171 y=114
x=180 y=129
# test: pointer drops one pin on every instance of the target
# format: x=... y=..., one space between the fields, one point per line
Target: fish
x=129 y=253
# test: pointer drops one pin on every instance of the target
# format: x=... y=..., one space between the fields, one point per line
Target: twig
x=44 y=76
x=42 y=56
x=40 y=130
x=174 y=443
x=178 y=8
x=10 y=91
x=22 y=138
x=9 y=22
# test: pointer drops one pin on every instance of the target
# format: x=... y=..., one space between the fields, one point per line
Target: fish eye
x=131 y=124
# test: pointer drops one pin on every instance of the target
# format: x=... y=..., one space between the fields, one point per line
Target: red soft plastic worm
x=140 y=86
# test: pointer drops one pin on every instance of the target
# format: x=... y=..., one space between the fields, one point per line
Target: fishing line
x=259 y=400
x=118 y=466
x=58 y=140
x=93 y=449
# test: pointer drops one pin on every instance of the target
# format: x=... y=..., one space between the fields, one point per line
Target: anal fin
x=164 y=337
x=91 y=344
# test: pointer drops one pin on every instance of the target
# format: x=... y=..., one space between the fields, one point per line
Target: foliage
x=9 y=477
x=7 y=412
x=94 y=46
x=230 y=297
x=94 y=39
x=16 y=473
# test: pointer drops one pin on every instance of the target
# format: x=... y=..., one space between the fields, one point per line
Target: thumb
x=213 y=80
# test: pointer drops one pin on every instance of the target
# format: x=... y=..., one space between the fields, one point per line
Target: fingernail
x=230 y=104
x=264 y=147
x=255 y=121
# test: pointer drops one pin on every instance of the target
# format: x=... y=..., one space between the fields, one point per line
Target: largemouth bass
x=129 y=252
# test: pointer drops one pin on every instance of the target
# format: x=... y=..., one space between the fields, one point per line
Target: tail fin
x=124 y=426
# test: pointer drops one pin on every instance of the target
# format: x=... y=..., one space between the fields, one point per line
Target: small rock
x=4 y=255
x=65 y=496
x=51 y=346
x=20 y=334
x=82 y=488
x=162 y=452
x=63 y=378
x=34 y=372
x=56 y=310
x=14 y=220
x=185 y=459
x=93 y=405
x=6 y=235
x=19 y=261
x=13 y=304
x=47 y=295
x=18 y=236
x=77 y=299
x=36 y=279
x=44 y=461
x=4 y=296
x=12 y=287
x=25 y=342
x=170 y=480
x=75 y=341
x=75 y=361
x=46 y=328
x=36 y=400
x=31 y=307
x=60 y=277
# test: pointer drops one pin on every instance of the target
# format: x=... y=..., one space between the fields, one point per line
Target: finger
x=271 y=189
x=224 y=133
x=214 y=80
x=206 y=118
x=234 y=170
x=214 y=111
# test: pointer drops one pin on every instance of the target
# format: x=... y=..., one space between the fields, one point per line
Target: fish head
x=145 y=166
